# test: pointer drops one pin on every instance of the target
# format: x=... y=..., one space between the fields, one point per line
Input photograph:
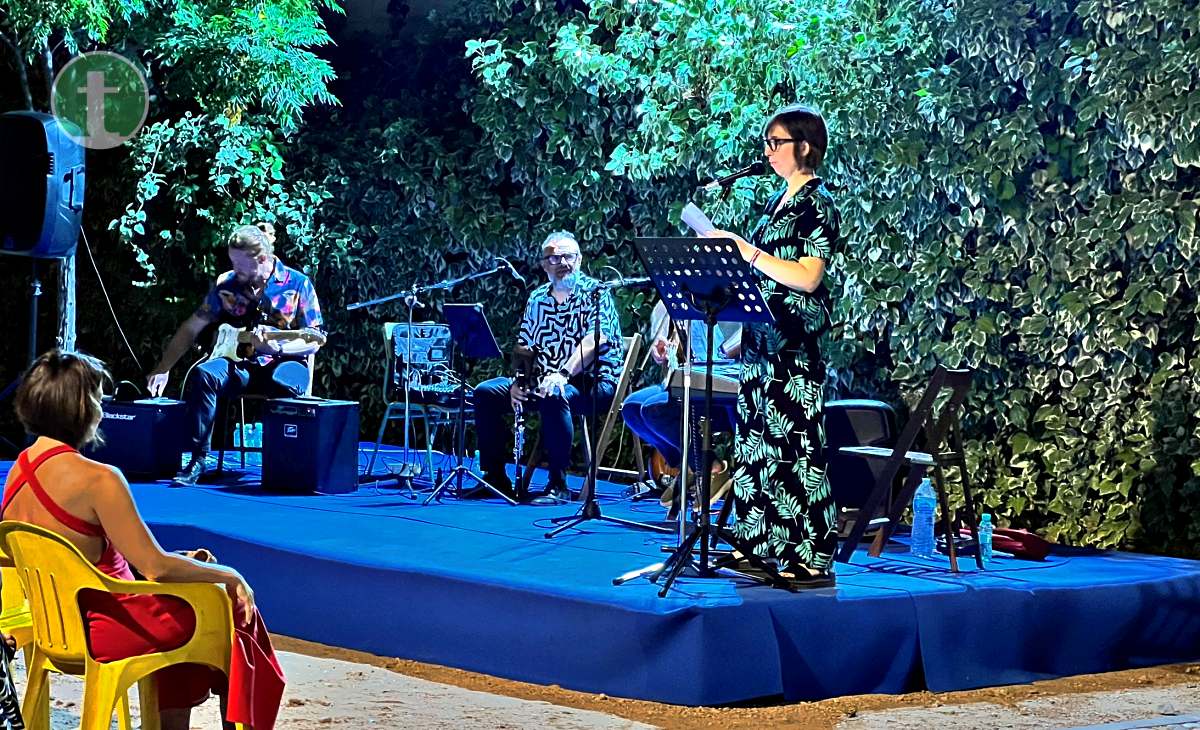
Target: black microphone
x=756 y=168
x=505 y=263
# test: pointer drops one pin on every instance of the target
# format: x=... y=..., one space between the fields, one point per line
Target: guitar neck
x=244 y=335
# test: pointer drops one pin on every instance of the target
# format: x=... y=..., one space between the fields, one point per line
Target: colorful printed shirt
x=552 y=330
x=288 y=301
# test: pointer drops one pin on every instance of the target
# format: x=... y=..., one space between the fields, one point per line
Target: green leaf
x=1154 y=302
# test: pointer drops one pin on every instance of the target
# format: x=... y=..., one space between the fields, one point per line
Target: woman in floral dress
x=783 y=506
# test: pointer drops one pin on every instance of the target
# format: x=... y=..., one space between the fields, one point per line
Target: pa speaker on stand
x=41 y=200
x=41 y=186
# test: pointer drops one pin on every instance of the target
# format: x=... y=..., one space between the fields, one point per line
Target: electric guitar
x=661 y=325
x=229 y=340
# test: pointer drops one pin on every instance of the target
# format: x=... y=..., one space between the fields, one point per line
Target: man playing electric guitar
x=655 y=416
x=277 y=306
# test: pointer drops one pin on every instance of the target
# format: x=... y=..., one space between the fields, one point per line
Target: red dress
x=121 y=626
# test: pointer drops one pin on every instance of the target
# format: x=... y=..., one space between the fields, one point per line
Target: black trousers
x=227 y=379
x=492 y=404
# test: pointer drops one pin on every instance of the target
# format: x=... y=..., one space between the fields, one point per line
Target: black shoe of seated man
x=556 y=493
x=548 y=499
x=557 y=489
x=190 y=474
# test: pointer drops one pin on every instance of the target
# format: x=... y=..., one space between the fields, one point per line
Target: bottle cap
x=986 y=518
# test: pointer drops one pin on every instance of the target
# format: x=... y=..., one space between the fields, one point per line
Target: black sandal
x=737 y=562
x=805 y=580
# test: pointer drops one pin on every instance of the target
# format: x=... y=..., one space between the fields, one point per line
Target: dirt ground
x=1130 y=694
x=337 y=688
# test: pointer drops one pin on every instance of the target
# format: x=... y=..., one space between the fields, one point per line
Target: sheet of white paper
x=696 y=220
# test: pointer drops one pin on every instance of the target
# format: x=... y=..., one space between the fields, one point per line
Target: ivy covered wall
x=1018 y=183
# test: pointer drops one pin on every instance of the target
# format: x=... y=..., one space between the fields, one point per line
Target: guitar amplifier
x=143 y=437
x=310 y=445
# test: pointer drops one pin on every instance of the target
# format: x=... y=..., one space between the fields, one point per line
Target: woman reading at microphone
x=783 y=506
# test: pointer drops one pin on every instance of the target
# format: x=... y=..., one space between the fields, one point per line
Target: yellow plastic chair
x=15 y=618
x=53 y=572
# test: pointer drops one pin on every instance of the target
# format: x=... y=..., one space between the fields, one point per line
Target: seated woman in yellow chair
x=90 y=504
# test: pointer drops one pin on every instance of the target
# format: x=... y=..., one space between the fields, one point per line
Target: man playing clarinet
x=559 y=328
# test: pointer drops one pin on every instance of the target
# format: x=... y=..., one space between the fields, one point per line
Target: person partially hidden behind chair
x=90 y=505
x=558 y=327
x=656 y=416
x=270 y=300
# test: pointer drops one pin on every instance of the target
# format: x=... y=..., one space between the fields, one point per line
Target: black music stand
x=704 y=278
x=471 y=334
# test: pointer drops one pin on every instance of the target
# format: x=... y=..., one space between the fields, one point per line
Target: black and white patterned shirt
x=553 y=330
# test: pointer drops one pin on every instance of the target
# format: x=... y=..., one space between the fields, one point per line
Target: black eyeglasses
x=556 y=259
x=774 y=143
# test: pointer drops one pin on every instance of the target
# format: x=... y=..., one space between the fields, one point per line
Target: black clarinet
x=525 y=367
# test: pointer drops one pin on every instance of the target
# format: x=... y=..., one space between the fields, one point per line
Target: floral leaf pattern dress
x=783 y=505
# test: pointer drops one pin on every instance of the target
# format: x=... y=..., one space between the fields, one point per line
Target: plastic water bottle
x=985 y=538
x=254 y=438
x=924 y=504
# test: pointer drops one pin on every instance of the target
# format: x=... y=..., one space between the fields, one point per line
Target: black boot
x=190 y=474
x=557 y=488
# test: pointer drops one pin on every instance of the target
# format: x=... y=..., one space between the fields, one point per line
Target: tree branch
x=48 y=71
x=22 y=75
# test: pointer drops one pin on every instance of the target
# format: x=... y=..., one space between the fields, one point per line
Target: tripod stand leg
x=654 y=572
x=722 y=518
x=369 y=477
x=575 y=520
x=680 y=560
x=456 y=476
x=639 y=525
x=441 y=487
x=589 y=511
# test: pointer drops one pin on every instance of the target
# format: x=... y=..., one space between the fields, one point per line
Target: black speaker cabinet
x=310 y=445
x=143 y=438
x=41 y=186
x=856 y=423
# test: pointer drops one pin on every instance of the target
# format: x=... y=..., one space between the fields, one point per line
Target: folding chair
x=633 y=346
x=241 y=447
x=430 y=359
x=937 y=424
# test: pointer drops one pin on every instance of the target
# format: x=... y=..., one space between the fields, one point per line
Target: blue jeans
x=227 y=379
x=656 y=418
x=642 y=415
x=492 y=404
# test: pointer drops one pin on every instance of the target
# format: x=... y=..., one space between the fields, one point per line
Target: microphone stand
x=443 y=285
x=590 y=510
x=407 y=470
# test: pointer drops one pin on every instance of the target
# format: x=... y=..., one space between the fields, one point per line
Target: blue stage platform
x=476 y=585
